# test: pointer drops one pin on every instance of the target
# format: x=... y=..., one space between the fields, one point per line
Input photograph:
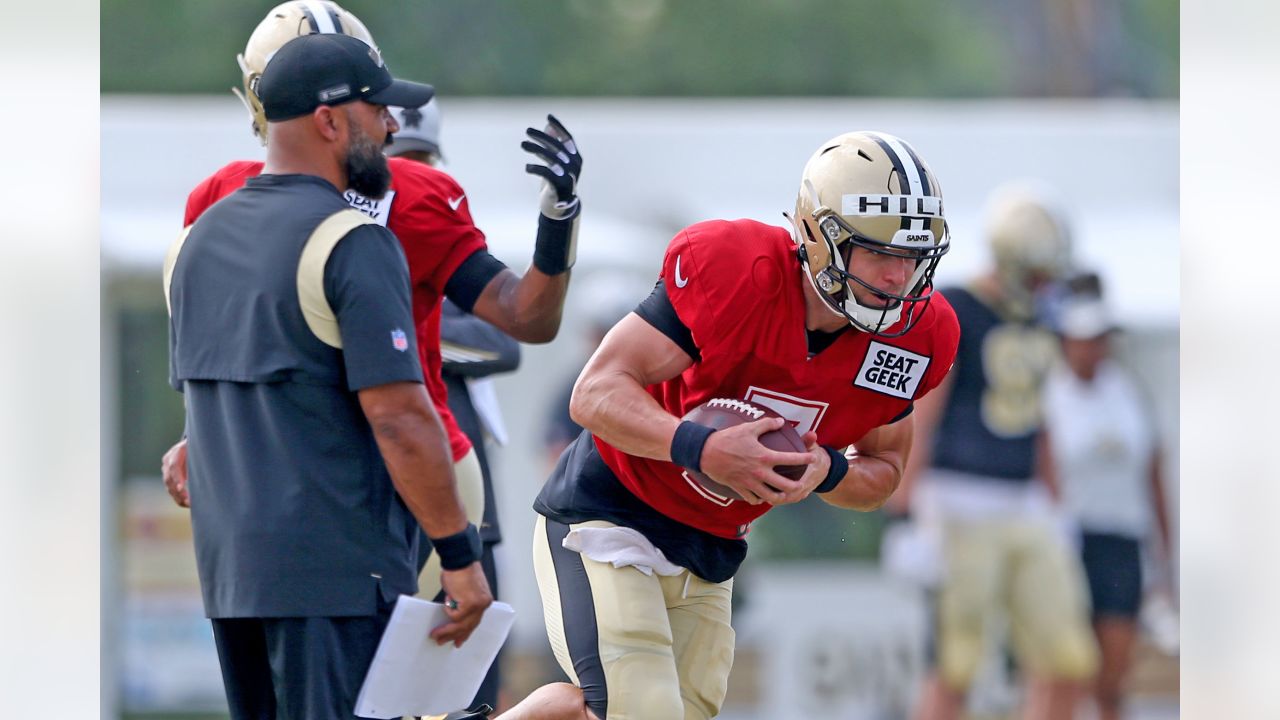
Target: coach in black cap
x=315 y=452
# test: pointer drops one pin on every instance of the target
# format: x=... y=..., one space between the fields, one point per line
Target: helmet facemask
x=835 y=283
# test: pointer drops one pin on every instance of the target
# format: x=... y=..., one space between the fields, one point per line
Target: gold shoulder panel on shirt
x=315 y=306
x=171 y=259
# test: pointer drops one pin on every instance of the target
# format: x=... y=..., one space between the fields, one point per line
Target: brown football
x=721 y=413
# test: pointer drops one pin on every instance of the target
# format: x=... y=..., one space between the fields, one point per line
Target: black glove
x=555 y=147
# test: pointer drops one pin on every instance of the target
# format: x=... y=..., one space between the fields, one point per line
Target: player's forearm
x=529 y=307
x=615 y=407
x=416 y=451
x=537 y=304
x=867 y=485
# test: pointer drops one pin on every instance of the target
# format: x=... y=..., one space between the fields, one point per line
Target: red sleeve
x=432 y=218
x=716 y=274
x=226 y=180
x=198 y=201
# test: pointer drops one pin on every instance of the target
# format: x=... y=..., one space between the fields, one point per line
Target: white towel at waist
x=620 y=546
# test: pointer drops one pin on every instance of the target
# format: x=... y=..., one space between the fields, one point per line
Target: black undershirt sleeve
x=902 y=415
x=658 y=312
x=471 y=278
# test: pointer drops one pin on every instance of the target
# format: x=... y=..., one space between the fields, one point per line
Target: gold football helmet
x=283 y=23
x=1030 y=240
x=870 y=190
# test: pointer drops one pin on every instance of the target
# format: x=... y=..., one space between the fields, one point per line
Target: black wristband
x=552 y=250
x=459 y=549
x=835 y=473
x=687 y=444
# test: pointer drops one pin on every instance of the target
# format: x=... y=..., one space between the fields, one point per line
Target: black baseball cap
x=331 y=69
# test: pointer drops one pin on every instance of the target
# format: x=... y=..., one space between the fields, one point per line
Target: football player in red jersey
x=428 y=211
x=833 y=324
x=472 y=351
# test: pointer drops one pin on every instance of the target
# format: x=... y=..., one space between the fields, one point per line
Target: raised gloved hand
x=555 y=147
x=556 y=247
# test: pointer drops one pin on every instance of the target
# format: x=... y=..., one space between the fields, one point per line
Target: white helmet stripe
x=905 y=164
x=321 y=20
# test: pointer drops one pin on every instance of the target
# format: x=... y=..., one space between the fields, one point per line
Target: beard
x=367 y=169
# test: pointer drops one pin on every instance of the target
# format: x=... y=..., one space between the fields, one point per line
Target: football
x=721 y=413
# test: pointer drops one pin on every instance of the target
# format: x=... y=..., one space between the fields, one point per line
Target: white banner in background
x=837 y=640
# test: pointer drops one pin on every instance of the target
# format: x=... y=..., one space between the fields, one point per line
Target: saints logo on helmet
x=1030 y=242
x=870 y=190
x=283 y=23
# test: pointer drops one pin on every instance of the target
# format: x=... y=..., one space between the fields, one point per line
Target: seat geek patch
x=891 y=371
x=379 y=209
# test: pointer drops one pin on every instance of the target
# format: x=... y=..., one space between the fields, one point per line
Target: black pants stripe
x=578 y=617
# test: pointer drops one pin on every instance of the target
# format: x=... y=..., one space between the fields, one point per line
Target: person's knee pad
x=704 y=665
x=1073 y=657
x=654 y=701
x=961 y=643
x=960 y=653
x=637 y=685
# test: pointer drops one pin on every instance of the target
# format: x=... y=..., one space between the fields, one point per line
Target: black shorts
x=309 y=667
x=1113 y=564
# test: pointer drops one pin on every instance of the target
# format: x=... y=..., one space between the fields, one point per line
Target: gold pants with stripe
x=640 y=646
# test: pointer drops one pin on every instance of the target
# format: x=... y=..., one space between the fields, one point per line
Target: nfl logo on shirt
x=398 y=340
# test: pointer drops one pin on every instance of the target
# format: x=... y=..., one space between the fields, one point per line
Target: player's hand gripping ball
x=721 y=413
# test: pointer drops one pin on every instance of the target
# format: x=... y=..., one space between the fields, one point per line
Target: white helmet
x=283 y=23
x=870 y=190
x=419 y=129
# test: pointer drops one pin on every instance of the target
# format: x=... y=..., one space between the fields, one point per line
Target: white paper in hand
x=412 y=675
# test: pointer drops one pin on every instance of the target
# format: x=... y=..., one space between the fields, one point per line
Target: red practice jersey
x=738 y=287
x=428 y=211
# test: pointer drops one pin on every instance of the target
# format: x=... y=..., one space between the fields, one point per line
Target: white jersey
x=1102 y=438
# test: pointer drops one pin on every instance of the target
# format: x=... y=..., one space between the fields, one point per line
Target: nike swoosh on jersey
x=455 y=202
x=680 y=282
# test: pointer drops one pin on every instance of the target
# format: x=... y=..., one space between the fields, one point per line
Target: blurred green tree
x=906 y=48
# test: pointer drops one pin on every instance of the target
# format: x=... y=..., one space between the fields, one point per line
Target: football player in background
x=973 y=476
x=472 y=351
x=835 y=325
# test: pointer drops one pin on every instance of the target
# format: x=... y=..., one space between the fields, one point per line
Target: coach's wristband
x=835 y=473
x=459 y=549
x=687 y=444
x=556 y=247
